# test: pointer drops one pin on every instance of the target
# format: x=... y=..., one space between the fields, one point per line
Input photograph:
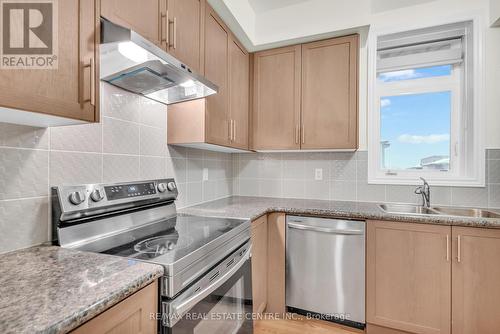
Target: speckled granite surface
x=48 y=289
x=254 y=207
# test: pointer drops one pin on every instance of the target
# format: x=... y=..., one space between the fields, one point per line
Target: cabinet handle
x=303 y=134
x=175 y=33
x=164 y=28
x=91 y=66
x=230 y=124
x=234 y=130
x=459 y=252
x=447 y=248
x=92 y=81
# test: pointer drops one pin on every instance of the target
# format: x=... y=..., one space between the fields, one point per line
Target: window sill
x=462 y=182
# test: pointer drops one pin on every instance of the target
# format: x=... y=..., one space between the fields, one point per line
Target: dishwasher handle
x=325 y=230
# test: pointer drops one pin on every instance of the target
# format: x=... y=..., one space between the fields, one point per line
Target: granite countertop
x=47 y=289
x=254 y=207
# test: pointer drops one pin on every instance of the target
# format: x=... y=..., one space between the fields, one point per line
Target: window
x=422 y=121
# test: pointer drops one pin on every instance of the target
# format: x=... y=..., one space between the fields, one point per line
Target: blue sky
x=417 y=126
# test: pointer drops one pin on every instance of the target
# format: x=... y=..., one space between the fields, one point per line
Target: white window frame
x=467 y=151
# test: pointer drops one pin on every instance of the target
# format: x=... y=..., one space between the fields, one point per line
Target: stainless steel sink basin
x=407 y=209
x=466 y=212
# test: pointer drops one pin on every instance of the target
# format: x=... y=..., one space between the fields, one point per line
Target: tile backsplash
x=344 y=177
x=128 y=144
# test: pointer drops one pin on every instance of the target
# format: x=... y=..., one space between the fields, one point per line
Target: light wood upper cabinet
x=142 y=16
x=276 y=114
x=131 y=316
x=71 y=91
x=409 y=277
x=306 y=96
x=218 y=122
x=330 y=94
x=259 y=264
x=239 y=81
x=185 y=32
x=476 y=288
x=216 y=70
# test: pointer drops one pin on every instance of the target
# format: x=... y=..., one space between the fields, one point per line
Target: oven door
x=220 y=302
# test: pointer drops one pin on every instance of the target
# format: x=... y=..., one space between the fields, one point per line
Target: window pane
x=415 y=131
x=417 y=73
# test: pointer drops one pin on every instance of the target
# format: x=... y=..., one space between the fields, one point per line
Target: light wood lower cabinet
x=476 y=281
x=409 y=277
x=259 y=264
x=276 y=223
x=131 y=316
x=68 y=94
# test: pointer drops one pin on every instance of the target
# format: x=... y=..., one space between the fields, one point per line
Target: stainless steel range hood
x=135 y=64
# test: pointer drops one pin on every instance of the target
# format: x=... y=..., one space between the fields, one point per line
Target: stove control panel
x=130 y=190
x=84 y=200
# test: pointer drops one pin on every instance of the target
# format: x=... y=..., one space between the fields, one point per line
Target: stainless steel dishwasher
x=325 y=269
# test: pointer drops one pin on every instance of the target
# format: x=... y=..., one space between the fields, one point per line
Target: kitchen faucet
x=425 y=191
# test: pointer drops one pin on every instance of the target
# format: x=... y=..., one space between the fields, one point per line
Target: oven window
x=226 y=310
x=227 y=313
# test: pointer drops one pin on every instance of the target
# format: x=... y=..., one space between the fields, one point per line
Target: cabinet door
x=330 y=94
x=185 y=28
x=276 y=261
x=276 y=114
x=71 y=90
x=409 y=277
x=476 y=288
x=259 y=264
x=142 y=16
x=131 y=316
x=239 y=90
x=216 y=70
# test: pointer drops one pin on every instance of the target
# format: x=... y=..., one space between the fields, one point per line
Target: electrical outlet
x=318 y=174
x=205 y=174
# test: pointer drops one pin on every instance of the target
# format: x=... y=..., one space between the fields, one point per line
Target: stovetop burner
x=162 y=244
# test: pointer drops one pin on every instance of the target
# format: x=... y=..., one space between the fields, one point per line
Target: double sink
x=410 y=209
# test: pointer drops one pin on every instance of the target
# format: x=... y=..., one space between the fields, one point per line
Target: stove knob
x=162 y=187
x=97 y=195
x=171 y=186
x=77 y=197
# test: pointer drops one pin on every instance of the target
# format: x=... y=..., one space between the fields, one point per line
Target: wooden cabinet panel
x=329 y=94
x=216 y=70
x=259 y=264
x=131 y=316
x=186 y=18
x=276 y=114
x=142 y=16
x=409 y=277
x=239 y=77
x=276 y=223
x=71 y=90
x=476 y=270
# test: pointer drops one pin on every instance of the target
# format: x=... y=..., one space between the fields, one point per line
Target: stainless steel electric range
x=207 y=284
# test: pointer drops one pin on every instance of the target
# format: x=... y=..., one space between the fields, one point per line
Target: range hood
x=131 y=62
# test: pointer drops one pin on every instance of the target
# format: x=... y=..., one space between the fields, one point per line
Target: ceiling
x=260 y=6
x=265 y=24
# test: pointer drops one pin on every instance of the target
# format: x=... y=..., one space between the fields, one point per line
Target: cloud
x=385 y=103
x=399 y=75
x=430 y=139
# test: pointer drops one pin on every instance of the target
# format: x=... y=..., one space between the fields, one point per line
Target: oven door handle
x=178 y=310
